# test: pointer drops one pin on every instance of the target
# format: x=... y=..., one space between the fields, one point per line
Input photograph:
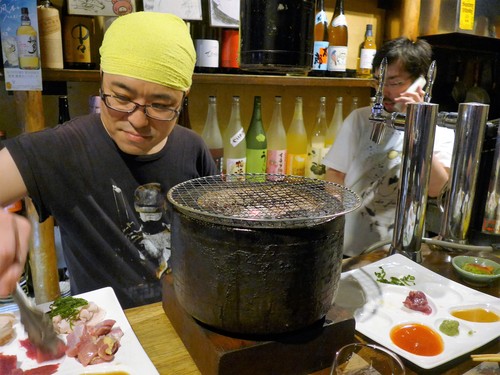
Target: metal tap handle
x=379 y=96
x=431 y=77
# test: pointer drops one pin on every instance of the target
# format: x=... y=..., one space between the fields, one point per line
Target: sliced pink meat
x=417 y=301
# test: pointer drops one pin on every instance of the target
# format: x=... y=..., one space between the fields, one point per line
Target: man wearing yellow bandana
x=104 y=177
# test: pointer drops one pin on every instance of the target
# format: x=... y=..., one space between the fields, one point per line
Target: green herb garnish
x=403 y=281
x=67 y=307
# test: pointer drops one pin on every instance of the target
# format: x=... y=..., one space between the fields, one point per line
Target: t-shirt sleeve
x=341 y=154
x=443 y=145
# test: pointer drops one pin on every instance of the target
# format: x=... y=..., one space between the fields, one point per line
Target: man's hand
x=14 y=240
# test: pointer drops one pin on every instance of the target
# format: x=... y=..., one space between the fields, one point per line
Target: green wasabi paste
x=449 y=327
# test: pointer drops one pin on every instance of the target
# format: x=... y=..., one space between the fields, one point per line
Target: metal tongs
x=37 y=324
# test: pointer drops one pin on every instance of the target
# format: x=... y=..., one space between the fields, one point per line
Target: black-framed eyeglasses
x=154 y=111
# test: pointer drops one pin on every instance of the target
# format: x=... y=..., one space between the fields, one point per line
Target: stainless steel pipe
x=469 y=135
x=414 y=183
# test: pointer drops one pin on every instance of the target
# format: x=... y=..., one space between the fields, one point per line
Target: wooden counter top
x=167 y=352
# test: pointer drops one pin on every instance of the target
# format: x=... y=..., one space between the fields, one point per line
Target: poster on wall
x=19 y=39
x=225 y=13
x=189 y=10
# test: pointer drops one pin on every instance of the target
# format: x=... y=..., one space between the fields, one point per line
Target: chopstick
x=486 y=357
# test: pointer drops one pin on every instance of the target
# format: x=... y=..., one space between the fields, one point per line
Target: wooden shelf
x=69 y=75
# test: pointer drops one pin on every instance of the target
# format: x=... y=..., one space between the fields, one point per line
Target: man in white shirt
x=373 y=170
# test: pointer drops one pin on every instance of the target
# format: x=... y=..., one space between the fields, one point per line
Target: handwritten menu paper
x=20 y=45
x=186 y=9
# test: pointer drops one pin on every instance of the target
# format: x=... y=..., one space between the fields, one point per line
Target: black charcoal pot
x=258 y=254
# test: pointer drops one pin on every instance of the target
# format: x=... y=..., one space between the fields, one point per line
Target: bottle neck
x=339 y=8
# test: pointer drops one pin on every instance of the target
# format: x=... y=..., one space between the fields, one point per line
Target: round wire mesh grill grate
x=262 y=200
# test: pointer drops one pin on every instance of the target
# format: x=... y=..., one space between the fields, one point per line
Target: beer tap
x=397 y=120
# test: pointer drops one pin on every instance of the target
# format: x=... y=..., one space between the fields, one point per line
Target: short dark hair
x=415 y=57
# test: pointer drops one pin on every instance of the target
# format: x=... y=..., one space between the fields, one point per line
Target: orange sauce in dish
x=477 y=315
x=417 y=339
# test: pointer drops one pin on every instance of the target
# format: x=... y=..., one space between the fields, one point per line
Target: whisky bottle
x=367 y=51
x=27 y=43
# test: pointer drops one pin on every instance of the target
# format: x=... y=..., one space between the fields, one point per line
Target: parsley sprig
x=407 y=280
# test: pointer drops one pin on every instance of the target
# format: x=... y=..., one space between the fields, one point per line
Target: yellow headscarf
x=154 y=47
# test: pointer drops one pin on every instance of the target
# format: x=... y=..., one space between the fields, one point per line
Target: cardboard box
x=101 y=7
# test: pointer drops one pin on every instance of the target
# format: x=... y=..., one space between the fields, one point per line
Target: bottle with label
x=63 y=109
x=367 y=51
x=320 y=52
x=27 y=43
x=256 y=140
x=276 y=141
x=51 y=46
x=335 y=124
x=337 y=39
x=354 y=104
x=296 y=142
x=315 y=167
x=206 y=41
x=235 y=145
x=211 y=133
x=184 y=115
x=78 y=34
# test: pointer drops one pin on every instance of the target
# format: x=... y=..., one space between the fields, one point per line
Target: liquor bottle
x=276 y=141
x=256 y=140
x=354 y=104
x=229 y=56
x=367 y=51
x=78 y=34
x=235 y=145
x=184 y=115
x=315 y=167
x=320 y=52
x=211 y=133
x=296 y=142
x=51 y=46
x=206 y=41
x=63 y=109
x=27 y=43
x=337 y=39
x=335 y=124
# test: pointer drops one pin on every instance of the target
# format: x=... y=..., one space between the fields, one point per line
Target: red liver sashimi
x=33 y=353
x=417 y=301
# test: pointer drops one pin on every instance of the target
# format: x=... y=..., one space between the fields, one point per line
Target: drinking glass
x=366 y=359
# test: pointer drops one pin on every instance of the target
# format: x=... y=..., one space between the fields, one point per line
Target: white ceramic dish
x=130 y=357
x=382 y=308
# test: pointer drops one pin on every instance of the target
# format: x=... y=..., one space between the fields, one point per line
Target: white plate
x=382 y=308
x=129 y=358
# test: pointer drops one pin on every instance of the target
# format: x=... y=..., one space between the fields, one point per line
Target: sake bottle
x=51 y=46
x=211 y=133
x=27 y=43
x=276 y=141
x=63 y=109
x=337 y=38
x=184 y=119
x=335 y=124
x=235 y=145
x=320 y=52
x=315 y=167
x=296 y=142
x=354 y=104
x=256 y=141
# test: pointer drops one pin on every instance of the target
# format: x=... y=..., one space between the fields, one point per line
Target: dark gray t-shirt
x=111 y=207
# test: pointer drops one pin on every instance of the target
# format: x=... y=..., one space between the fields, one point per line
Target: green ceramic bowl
x=461 y=261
